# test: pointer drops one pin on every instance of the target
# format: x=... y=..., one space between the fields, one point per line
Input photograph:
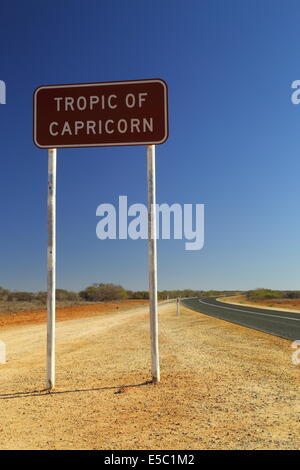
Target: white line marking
x=248 y=311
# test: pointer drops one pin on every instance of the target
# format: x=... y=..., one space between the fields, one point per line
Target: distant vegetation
x=103 y=292
x=94 y=293
x=219 y=293
x=269 y=294
x=36 y=297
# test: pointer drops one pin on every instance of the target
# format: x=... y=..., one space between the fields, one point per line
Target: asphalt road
x=275 y=322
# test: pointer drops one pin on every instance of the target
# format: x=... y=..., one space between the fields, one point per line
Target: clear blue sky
x=234 y=140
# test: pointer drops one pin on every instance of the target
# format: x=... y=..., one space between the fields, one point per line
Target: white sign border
x=76 y=85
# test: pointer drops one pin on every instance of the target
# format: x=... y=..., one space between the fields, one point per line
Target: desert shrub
x=139 y=295
x=103 y=292
x=263 y=294
x=65 y=295
x=20 y=296
x=292 y=294
x=4 y=293
x=41 y=297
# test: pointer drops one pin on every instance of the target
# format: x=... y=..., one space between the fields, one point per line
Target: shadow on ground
x=47 y=392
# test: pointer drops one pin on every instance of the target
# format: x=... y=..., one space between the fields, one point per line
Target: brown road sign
x=101 y=114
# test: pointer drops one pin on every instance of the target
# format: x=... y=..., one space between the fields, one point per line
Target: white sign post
x=51 y=268
x=178 y=306
x=101 y=115
x=152 y=260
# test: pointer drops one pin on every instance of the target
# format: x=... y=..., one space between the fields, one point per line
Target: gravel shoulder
x=281 y=306
x=223 y=386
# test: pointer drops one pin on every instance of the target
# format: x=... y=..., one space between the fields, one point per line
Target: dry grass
x=63 y=312
x=277 y=304
x=19 y=306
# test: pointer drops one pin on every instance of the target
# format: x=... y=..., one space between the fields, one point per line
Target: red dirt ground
x=67 y=313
